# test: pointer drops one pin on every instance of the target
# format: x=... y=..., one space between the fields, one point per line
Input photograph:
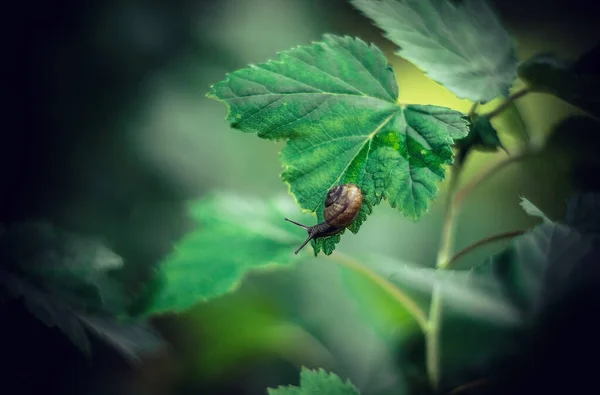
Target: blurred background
x=107 y=131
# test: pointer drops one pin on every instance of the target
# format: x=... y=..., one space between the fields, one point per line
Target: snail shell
x=342 y=206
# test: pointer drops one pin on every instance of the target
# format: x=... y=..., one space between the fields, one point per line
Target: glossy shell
x=342 y=205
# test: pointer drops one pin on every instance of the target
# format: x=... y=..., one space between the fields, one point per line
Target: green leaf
x=317 y=382
x=234 y=236
x=483 y=136
x=583 y=212
x=576 y=83
x=461 y=45
x=335 y=103
x=73 y=267
x=532 y=210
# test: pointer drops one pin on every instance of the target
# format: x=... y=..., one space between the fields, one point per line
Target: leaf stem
x=487 y=240
x=498 y=110
x=403 y=299
x=473 y=109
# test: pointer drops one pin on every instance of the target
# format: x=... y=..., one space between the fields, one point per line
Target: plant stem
x=432 y=334
x=498 y=110
x=403 y=299
x=487 y=240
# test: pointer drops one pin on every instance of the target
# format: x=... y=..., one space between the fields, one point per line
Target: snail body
x=342 y=206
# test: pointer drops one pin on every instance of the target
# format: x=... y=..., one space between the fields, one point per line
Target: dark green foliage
x=583 y=212
x=67 y=281
x=335 y=105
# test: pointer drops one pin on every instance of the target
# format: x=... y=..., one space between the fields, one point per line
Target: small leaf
x=461 y=45
x=234 y=236
x=576 y=83
x=583 y=212
x=532 y=210
x=132 y=339
x=335 y=102
x=483 y=136
x=313 y=382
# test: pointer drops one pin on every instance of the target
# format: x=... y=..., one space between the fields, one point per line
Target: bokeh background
x=107 y=131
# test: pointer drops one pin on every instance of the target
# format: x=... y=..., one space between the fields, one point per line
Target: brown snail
x=341 y=209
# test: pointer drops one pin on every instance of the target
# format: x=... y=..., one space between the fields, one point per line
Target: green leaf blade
x=234 y=236
x=343 y=125
x=463 y=47
x=303 y=82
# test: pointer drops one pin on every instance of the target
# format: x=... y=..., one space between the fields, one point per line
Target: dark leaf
x=133 y=339
x=482 y=136
x=522 y=269
x=75 y=268
x=46 y=308
x=583 y=212
x=576 y=83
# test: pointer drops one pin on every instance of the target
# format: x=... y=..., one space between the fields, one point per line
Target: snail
x=341 y=209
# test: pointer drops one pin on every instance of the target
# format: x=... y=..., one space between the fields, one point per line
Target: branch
x=487 y=240
x=402 y=298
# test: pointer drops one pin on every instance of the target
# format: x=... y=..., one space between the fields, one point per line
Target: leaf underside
x=335 y=103
x=461 y=45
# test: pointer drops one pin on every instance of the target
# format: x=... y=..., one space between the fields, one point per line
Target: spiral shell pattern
x=342 y=205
